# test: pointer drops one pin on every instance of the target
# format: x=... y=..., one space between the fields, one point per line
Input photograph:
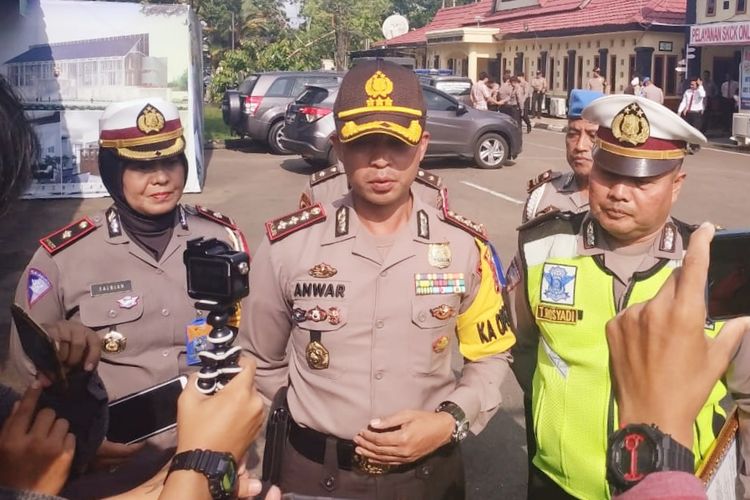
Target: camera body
x=216 y=272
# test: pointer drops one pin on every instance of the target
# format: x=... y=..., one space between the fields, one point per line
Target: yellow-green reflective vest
x=573 y=408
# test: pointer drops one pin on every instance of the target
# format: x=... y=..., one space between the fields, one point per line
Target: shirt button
x=165 y=353
x=379 y=375
x=379 y=323
x=165 y=312
x=112 y=313
x=160 y=271
x=383 y=274
x=421 y=317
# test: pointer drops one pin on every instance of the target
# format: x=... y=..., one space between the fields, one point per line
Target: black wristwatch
x=461 y=430
x=219 y=468
x=637 y=450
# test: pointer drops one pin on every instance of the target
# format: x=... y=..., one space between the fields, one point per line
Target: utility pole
x=232 y=30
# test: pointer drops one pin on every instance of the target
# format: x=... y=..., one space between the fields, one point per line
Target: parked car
x=488 y=137
x=457 y=86
x=256 y=109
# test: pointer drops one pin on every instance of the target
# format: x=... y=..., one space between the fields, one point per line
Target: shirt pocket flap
x=434 y=311
x=111 y=309
x=319 y=315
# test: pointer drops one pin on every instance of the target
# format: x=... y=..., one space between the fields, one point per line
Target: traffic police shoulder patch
x=66 y=236
x=432 y=180
x=277 y=229
x=325 y=174
x=468 y=225
x=542 y=178
x=217 y=217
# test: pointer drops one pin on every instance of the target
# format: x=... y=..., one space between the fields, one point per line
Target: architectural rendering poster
x=70 y=59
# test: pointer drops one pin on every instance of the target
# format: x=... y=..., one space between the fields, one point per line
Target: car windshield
x=453 y=87
x=312 y=95
x=247 y=86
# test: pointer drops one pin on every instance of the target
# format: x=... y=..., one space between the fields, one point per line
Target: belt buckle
x=364 y=464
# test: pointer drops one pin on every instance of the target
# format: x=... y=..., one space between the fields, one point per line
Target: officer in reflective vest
x=575 y=272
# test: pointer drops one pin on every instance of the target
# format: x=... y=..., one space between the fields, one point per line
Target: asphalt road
x=253 y=186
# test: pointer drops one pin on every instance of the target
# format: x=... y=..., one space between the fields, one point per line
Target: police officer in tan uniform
x=575 y=272
x=567 y=192
x=330 y=184
x=356 y=305
x=120 y=272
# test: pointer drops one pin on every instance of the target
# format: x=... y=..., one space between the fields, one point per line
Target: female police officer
x=121 y=274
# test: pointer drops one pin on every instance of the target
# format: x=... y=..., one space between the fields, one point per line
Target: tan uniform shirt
x=653 y=93
x=505 y=91
x=622 y=262
x=109 y=283
x=560 y=192
x=539 y=84
x=389 y=346
x=331 y=183
x=597 y=83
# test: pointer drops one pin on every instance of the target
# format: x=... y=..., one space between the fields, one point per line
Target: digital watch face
x=728 y=283
x=638 y=456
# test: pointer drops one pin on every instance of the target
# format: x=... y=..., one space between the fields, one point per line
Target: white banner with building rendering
x=70 y=59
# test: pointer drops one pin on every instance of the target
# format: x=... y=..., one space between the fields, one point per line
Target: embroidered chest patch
x=439 y=283
x=558 y=284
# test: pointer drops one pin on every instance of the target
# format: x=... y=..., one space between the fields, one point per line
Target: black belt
x=311 y=444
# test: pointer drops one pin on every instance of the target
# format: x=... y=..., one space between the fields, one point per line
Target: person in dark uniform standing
x=121 y=273
x=567 y=192
x=573 y=273
x=356 y=305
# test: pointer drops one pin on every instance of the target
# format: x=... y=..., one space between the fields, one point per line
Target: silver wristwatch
x=461 y=430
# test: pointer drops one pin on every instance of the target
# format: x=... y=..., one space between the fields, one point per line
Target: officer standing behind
x=567 y=192
x=330 y=184
x=121 y=273
x=369 y=293
x=574 y=273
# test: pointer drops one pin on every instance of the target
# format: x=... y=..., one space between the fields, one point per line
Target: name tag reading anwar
x=439 y=283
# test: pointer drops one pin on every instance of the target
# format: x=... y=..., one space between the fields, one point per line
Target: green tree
x=351 y=23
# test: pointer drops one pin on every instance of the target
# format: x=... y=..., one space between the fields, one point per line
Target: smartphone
x=728 y=284
x=147 y=413
x=38 y=345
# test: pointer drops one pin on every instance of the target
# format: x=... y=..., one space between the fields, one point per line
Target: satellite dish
x=395 y=25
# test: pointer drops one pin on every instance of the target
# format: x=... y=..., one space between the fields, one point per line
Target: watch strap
x=677 y=457
x=462 y=423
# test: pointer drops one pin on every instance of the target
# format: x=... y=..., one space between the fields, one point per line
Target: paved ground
x=253 y=186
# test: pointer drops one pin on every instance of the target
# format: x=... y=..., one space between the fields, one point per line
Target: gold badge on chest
x=439 y=255
x=317 y=355
x=114 y=342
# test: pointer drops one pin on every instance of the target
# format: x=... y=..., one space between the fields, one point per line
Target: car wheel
x=490 y=151
x=275 y=133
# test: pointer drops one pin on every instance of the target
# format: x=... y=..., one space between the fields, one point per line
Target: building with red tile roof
x=564 y=39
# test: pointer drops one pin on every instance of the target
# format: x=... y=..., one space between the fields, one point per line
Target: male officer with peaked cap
x=369 y=293
x=575 y=272
x=568 y=192
x=330 y=184
x=120 y=272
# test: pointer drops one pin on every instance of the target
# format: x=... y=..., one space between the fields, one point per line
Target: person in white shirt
x=692 y=106
x=480 y=92
x=729 y=88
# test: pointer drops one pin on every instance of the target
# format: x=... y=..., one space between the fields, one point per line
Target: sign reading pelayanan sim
x=720 y=34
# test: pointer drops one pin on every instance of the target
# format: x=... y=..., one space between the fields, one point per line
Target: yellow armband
x=484 y=328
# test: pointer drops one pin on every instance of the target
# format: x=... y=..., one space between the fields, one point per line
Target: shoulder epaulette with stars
x=542 y=178
x=217 y=217
x=277 y=229
x=466 y=224
x=325 y=174
x=66 y=236
x=432 y=180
